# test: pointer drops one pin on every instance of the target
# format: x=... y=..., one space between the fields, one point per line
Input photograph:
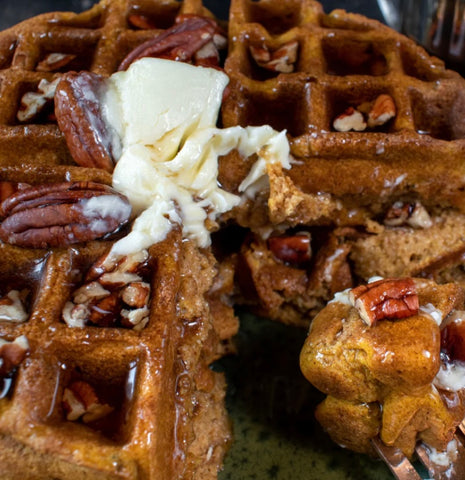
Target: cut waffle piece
x=340 y=61
x=125 y=397
x=377 y=134
x=360 y=353
x=156 y=410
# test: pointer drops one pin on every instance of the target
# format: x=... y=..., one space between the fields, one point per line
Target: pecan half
x=56 y=215
x=385 y=299
x=90 y=139
x=180 y=42
x=294 y=249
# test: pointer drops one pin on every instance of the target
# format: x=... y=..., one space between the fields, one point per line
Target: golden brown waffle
x=377 y=380
x=166 y=418
x=99 y=39
x=345 y=60
x=297 y=68
x=152 y=378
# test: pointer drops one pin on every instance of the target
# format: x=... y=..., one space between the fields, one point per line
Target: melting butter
x=165 y=115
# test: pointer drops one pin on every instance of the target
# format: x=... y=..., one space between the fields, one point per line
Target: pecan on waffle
x=378 y=381
x=104 y=361
x=376 y=128
x=37 y=51
x=109 y=399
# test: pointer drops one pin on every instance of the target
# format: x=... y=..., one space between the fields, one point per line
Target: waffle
x=158 y=406
x=345 y=60
x=317 y=75
x=125 y=396
x=98 y=39
x=379 y=382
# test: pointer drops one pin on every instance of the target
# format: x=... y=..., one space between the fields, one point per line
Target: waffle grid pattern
x=146 y=376
x=347 y=60
x=133 y=371
x=99 y=38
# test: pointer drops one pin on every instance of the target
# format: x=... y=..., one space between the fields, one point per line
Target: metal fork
x=403 y=469
x=439 y=25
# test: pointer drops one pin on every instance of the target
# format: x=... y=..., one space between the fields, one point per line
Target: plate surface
x=272 y=405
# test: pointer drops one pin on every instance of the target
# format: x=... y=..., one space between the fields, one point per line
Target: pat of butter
x=165 y=115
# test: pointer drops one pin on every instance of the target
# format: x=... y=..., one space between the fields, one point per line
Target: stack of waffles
x=105 y=362
x=100 y=379
x=376 y=129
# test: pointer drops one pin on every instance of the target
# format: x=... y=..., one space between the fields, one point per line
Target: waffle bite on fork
x=389 y=356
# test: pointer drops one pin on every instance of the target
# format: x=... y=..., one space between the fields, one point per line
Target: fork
x=439 y=25
x=403 y=469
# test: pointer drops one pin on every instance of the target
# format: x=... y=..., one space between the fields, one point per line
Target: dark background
x=13 y=11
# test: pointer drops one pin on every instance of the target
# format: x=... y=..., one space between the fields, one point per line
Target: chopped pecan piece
x=80 y=401
x=294 y=249
x=132 y=263
x=377 y=114
x=382 y=111
x=413 y=214
x=104 y=312
x=56 y=215
x=136 y=294
x=89 y=292
x=12 y=307
x=12 y=354
x=33 y=103
x=136 y=319
x=350 y=119
x=90 y=139
x=113 y=295
x=180 y=42
x=143 y=22
x=385 y=299
x=118 y=278
x=282 y=59
x=75 y=316
x=54 y=61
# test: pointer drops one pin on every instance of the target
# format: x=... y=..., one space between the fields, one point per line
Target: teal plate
x=271 y=405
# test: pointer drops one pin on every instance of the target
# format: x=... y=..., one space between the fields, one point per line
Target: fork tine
x=397 y=462
x=462 y=427
x=434 y=471
x=454 y=471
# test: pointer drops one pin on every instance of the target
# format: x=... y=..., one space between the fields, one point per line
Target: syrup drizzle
x=61 y=369
x=5 y=386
